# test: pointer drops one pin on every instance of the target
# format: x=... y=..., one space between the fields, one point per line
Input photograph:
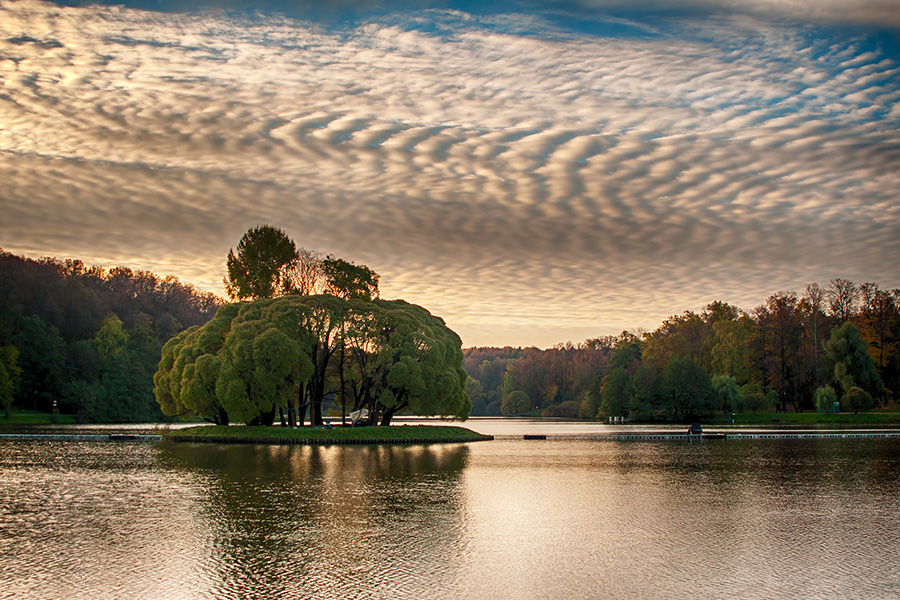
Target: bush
x=753 y=398
x=857 y=399
x=516 y=403
x=566 y=410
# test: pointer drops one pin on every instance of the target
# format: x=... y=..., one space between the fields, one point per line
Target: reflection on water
x=295 y=521
x=504 y=519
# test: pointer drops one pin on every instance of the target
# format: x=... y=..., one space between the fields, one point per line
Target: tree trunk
x=316 y=416
x=301 y=405
x=220 y=417
x=390 y=412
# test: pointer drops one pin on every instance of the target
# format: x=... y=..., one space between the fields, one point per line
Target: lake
x=557 y=518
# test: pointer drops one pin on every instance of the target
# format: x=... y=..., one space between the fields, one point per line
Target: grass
x=396 y=434
x=30 y=418
x=808 y=418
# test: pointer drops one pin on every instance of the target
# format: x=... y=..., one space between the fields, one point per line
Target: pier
x=661 y=436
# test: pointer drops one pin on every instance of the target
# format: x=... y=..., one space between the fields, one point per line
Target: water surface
x=504 y=519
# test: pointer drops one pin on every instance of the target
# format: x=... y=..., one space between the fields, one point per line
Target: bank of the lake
x=395 y=434
x=879 y=417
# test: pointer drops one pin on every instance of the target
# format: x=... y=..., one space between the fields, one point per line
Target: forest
x=85 y=341
x=794 y=352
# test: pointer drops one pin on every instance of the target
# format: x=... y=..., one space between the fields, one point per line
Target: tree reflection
x=332 y=521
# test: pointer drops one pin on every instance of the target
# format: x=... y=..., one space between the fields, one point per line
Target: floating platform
x=662 y=435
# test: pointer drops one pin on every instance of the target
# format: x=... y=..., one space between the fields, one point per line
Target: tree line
x=86 y=341
x=834 y=344
x=307 y=330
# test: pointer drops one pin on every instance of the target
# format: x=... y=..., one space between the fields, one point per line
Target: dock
x=659 y=436
x=79 y=437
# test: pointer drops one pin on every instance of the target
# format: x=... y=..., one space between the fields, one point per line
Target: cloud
x=530 y=188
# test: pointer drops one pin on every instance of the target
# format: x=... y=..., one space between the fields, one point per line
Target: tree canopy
x=256 y=358
x=260 y=267
x=87 y=340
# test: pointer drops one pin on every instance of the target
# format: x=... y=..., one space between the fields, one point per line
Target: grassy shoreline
x=807 y=418
x=395 y=434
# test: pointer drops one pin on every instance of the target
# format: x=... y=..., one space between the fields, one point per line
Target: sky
x=534 y=172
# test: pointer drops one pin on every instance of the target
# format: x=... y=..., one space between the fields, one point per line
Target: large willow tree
x=288 y=354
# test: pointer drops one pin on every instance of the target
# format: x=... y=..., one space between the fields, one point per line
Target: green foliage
x=754 y=398
x=405 y=359
x=613 y=393
x=857 y=399
x=260 y=268
x=688 y=389
x=825 y=399
x=89 y=340
x=516 y=403
x=645 y=401
x=258 y=357
x=726 y=391
x=10 y=373
x=731 y=348
x=349 y=281
x=853 y=365
x=111 y=339
x=475 y=392
x=589 y=406
x=42 y=358
x=626 y=351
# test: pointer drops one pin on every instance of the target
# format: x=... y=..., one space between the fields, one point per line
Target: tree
x=688 y=388
x=853 y=365
x=815 y=298
x=879 y=322
x=260 y=268
x=825 y=399
x=257 y=357
x=305 y=273
x=782 y=320
x=475 y=392
x=753 y=398
x=185 y=381
x=857 y=399
x=727 y=392
x=263 y=361
x=42 y=358
x=111 y=339
x=842 y=297
x=349 y=281
x=405 y=359
x=614 y=393
x=730 y=353
x=644 y=394
x=516 y=403
x=9 y=377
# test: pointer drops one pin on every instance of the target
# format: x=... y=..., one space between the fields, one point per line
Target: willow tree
x=185 y=381
x=264 y=361
x=248 y=361
x=405 y=359
x=853 y=365
x=256 y=357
